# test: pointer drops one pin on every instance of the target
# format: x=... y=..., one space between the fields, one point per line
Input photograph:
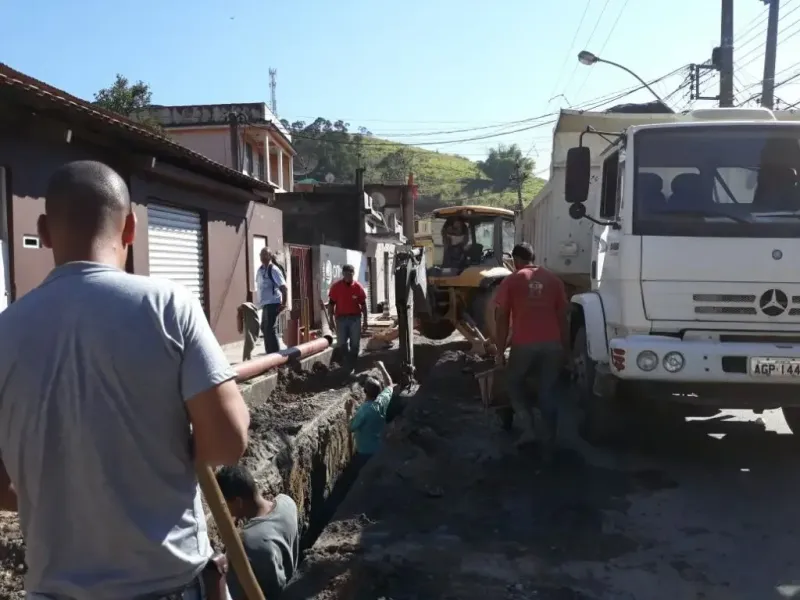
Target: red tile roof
x=35 y=93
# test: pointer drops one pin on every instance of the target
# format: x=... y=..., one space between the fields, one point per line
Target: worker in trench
x=347 y=303
x=534 y=302
x=112 y=388
x=369 y=421
x=270 y=532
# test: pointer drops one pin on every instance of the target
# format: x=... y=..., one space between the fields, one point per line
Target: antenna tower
x=273 y=86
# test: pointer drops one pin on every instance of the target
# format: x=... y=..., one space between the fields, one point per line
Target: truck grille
x=737 y=304
x=725 y=304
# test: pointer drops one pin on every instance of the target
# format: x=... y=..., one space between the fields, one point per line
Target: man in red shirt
x=347 y=301
x=536 y=301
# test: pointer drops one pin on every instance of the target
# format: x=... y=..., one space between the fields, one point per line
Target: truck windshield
x=731 y=181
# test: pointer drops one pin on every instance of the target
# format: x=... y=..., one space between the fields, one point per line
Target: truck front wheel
x=599 y=418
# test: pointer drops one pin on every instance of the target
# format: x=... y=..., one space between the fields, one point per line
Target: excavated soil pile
x=12 y=557
x=450 y=509
x=299 y=445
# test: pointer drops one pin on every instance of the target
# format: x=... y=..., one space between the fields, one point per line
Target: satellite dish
x=304 y=165
x=330 y=177
x=379 y=199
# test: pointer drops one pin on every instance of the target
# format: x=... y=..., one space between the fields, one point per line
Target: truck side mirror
x=579 y=164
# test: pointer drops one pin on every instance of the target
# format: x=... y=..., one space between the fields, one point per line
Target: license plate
x=775 y=367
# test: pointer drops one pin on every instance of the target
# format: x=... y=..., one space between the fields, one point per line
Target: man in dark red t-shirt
x=535 y=300
x=347 y=301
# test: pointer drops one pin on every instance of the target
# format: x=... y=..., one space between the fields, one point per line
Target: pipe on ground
x=257 y=366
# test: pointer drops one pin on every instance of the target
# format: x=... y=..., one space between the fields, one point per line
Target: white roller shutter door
x=176 y=246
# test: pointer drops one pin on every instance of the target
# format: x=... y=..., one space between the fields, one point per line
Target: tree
x=125 y=99
x=329 y=146
x=396 y=165
x=501 y=164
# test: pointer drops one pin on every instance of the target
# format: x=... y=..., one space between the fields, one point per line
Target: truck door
x=605 y=249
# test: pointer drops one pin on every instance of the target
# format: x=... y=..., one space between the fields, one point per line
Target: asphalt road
x=715 y=514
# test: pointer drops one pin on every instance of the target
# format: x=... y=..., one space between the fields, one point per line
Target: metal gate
x=176 y=247
x=302 y=289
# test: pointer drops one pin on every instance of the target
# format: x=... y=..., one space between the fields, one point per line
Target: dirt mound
x=12 y=558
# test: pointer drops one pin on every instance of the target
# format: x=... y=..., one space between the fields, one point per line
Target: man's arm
x=387 y=379
x=8 y=496
x=280 y=282
x=363 y=300
x=217 y=411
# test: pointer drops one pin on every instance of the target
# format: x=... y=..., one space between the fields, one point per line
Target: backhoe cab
x=473 y=255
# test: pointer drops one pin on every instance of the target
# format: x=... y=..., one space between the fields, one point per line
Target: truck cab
x=695 y=295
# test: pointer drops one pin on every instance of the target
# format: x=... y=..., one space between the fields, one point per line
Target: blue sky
x=406 y=70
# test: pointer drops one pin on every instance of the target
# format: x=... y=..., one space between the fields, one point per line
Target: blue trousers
x=543 y=362
x=348 y=337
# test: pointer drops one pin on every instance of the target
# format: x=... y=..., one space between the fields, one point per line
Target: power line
x=604 y=44
x=571 y=46
x=588 y=41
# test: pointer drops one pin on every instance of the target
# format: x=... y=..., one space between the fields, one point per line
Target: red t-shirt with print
x=536 y=299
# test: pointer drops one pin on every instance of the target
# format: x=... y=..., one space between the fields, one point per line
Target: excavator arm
x=410 y=282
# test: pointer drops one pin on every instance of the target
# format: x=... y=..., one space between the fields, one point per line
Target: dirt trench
x=300 y=445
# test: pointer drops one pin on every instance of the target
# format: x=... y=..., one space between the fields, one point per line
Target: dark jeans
x=543 y=361
x=348 y=337
x=269 y=327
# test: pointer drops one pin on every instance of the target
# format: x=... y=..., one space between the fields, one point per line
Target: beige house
x=263 y=145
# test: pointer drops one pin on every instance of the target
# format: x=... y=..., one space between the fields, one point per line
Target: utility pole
x=768 y=86
x=519 y=178
x=726 y=55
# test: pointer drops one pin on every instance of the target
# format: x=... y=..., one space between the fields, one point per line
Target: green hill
x=443 y=179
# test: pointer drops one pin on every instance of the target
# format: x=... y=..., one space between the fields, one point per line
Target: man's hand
x=499 y=357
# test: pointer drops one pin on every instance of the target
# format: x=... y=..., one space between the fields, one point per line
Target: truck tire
x=482 y=310
x=438 y=329
x=598 y=417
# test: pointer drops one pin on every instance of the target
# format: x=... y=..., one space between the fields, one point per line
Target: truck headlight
x=647 y=360
x=673 y=362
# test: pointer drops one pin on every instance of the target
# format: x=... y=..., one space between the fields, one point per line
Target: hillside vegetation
x=327 y=147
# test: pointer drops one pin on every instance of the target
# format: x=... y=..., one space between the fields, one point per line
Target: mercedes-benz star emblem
x=773 y=302
x=777 y=254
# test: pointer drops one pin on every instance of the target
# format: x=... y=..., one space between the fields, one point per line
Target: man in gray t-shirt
x=102 y=373
x=270 y=533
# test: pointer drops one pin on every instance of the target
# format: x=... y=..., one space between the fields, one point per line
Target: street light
x=587 y=58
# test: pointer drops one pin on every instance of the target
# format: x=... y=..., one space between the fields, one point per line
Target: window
x=711 y=181
x=248 y=159
x=258 y=170
x=509 y=230
x=609 y=194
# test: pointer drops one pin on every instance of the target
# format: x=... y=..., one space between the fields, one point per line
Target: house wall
x=213 y=143
x=334 y=219
x=326 y=265
x=31 y=154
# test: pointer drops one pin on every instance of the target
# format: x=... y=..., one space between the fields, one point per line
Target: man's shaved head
x=87 y=206
x=87 y=196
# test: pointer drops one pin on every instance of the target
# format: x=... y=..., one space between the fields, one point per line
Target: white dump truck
x=677 y=236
